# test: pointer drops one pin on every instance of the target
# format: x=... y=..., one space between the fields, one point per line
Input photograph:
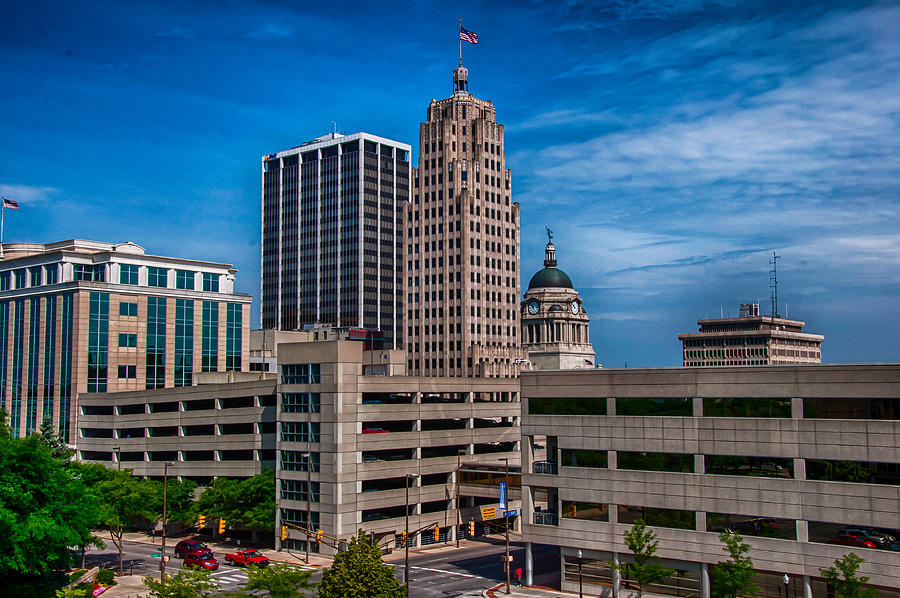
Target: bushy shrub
x=105 y=577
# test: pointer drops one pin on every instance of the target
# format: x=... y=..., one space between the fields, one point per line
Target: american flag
x=8 y=203
x=468 y=36
x=588 y=362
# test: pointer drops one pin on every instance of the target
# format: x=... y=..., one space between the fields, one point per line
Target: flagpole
x=2 y=212
x=460 y=41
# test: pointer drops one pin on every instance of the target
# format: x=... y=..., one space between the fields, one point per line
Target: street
x=439 y=573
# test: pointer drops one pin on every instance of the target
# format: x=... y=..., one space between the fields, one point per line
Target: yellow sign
x=488 y=512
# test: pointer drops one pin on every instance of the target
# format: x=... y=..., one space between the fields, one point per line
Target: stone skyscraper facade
x=462 y=244
x=332 y=234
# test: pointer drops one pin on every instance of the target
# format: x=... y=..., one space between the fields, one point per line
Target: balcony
x=541 y=518
x=548 y=467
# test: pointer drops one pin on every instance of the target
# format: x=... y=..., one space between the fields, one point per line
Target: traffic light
x=403 y=538
x=221 y=526
x=472 y=528
x=201 y=521
x=283 y=533
x=319 y=534
x=437 y=533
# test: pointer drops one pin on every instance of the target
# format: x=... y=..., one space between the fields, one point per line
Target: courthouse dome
x=550 y=276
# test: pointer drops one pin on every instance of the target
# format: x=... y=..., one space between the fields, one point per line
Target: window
x=233 y=337
x=128 y=273
x=184 y=341
x=184 y=279
x=583 y=458
x=50 y=274
x=297 y=460
x=156 y=342
x=127 y=371
x=300 y=373
x=128 y=340
x=296 y=490
x=676 y=462
x=98 y=341
x=210 y=282
x=5 y=278
x=96 y=272
x=300 y=402
x=210 y=349
x=585 y=510
x=157 y=277
x=300 y=431
x=20 y=278
x=128 y=309
x=35 y=275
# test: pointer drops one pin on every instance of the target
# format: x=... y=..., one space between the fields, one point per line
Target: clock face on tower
x=575 y=308
x=533 y=307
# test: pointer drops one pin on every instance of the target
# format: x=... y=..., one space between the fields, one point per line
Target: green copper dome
x=550 y=277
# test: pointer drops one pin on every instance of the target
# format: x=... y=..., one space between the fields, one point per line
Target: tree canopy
x=242 y=503
x=643 y=544
x=359 y=572
x=842 y=576
x=280 y=581
x=734 y=577
x=43 y=508
x=187 y=583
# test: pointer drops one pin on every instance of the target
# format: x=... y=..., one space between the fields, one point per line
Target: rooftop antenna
x=773 y=283
x=333 y=128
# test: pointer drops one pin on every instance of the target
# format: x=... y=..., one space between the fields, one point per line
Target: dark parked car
x=851 y=540
x=190 y=547
x=204 y=561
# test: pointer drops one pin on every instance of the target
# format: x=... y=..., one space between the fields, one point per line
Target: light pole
x=787 y=584
x=308 y=457
x=406 y=528
x=580 y=592
x=118 y=450
x=162 y=551
x=506 y=521
x=459 y=453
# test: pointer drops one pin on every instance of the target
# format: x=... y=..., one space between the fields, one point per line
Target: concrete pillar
x=610 y=406
x=698 y=406
x=807 y=587
x=704 y=580
x=796 y=408
x=616 y=576
x=529 y=565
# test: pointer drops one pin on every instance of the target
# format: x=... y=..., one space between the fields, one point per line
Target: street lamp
x=308 y=457
x=409 y=476
x=162 y=552
x=118 y=450
x=787 y=584
x=506 y=520
x=459 y=453
x=580 y=591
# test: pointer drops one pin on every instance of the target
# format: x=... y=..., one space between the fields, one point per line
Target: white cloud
x=25 y=194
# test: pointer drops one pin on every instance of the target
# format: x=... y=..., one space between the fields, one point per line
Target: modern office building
x=332 y=234
x=800 y=460
x=82 y=317
x=462 y=244
x=750 y=339
x=555 y=325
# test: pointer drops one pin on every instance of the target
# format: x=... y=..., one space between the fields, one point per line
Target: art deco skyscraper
x=462 y=245
x=332 y=232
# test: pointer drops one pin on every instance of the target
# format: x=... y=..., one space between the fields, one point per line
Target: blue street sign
x=503 y=495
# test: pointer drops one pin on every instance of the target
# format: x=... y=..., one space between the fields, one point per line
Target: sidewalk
x=127 y=586
x=499 y=591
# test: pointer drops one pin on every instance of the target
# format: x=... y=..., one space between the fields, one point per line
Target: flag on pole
x=8 y=203
x=468 y=36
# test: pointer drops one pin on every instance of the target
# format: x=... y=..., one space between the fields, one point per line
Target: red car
x=204 y=561
x=247 y=557
x=190 y=547
x=851 y=540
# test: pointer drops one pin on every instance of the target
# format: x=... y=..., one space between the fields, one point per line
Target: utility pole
x=162 y=555
x=506 y=521
x=406 y=529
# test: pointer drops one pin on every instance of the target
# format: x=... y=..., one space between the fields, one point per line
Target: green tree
x=246 y=503
x=359 y=572
x=842 y=576
x=280 y=581
x=43 y=509
x=58 y=447
x=187 y=583
x=71 y=593
x=124 y=499
x=643 y=544
x=734 y=577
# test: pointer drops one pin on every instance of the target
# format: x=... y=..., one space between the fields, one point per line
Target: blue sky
x=671 y=145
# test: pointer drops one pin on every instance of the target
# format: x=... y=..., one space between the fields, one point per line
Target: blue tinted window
x=128 y=273
x=157 y=277
x=127 y=309
x=98 y=341
x=210 y=282
x=184 y=279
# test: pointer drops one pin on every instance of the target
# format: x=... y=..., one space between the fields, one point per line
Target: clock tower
x=555 y=325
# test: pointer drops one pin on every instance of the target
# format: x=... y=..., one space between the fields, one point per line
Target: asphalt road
x=439 y=574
